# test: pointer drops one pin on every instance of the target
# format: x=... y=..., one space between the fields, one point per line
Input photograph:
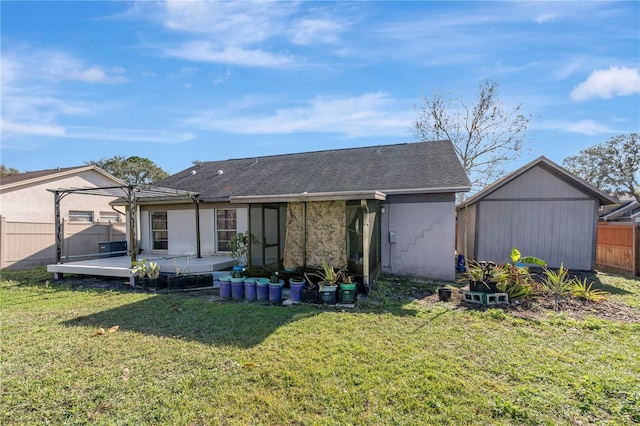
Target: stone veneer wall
x=326 y=235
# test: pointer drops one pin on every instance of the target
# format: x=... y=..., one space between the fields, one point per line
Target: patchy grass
x=179 y=359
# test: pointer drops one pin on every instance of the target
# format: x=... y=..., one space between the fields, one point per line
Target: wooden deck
x=121 y=266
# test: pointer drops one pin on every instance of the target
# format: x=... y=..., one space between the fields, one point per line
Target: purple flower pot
x=225 y=287
x=275 y=292
x=296 y=289
x=250 y=289
x=262 y=289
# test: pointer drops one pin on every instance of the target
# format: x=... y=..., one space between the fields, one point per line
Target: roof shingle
x=410 y=167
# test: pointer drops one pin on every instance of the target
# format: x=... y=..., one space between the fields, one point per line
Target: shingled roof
x=27 y=178
x=421 y=167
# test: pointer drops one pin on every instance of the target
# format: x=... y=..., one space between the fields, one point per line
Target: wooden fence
x=25 y=245
x=618 y=246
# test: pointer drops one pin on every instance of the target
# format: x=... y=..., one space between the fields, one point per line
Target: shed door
x=557 y=231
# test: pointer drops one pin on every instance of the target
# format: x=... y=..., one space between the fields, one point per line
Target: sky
x=185 y=81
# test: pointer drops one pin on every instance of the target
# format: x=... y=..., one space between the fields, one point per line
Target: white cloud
x=308 y=31
x=589 y=127
x=615 y=81
x=128 y=135
x=546 y=17
x=10 y=129
x=204 y=51
x=237 y=33
x=372 y=114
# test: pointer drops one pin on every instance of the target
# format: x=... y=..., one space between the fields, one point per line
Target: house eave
x=438 y=190
x=301 y=197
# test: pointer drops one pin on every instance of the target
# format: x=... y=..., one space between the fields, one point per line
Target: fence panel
x=618 y=246
x=25 y=245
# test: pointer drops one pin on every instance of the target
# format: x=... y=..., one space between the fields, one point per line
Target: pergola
x=130 y=196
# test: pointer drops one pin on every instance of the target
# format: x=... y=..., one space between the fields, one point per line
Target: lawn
x=184 y=359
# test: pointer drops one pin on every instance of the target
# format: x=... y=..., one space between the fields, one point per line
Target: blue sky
x=182 y=81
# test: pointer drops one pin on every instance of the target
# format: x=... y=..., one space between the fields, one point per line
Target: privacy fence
x=619 y=246
x=25 y=245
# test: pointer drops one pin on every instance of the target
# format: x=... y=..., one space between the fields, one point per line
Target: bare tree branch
x=485 y=135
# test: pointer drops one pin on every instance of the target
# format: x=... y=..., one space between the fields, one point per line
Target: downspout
x=250 y=248
x=196 y=199
x=58 y=224
x=132 y=224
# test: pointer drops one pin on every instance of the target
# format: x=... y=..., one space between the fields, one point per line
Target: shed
x=542 y=209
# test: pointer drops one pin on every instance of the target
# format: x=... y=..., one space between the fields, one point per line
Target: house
x=542 y=209
x=627 y=211
x=27 y=215
x=387 y=208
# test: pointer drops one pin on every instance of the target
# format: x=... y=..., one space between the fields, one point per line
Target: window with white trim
x=159 y=231
x=226 y=228
x=80 y=216
x=109 y=217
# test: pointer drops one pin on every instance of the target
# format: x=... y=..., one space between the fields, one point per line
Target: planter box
x=174 y=282
x=327 y=295
x=483 y=287
x=309 y=295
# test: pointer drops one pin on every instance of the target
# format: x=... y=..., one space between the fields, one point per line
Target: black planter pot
x=444 y=294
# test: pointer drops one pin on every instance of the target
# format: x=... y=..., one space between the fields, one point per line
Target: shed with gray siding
x=542 y=209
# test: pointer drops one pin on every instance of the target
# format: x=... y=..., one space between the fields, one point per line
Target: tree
x=613 y=166
x=135 y=170
x=7 y=171
x=485 y=135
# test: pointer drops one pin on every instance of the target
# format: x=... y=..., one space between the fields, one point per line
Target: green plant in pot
x=239 y=245
x=347 y=289
x=329 y=278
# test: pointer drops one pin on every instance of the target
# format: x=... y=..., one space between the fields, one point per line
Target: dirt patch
x=543 y=307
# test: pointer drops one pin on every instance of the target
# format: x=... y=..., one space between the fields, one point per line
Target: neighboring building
x=626 y=211
x=27 y=214
x=384 y=208
x=541 y=209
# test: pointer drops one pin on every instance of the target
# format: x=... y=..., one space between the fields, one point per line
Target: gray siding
x=536 y=183
x=557 y=231
x=425 y=227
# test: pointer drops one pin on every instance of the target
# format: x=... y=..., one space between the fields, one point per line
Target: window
x=159 y=231
x=80 y=216
x=226 y=228
x=109 y=217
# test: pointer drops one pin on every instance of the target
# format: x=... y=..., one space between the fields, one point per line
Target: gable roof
x=421 y=167
x=28 y=178
x=554 y=169
x=626 y=209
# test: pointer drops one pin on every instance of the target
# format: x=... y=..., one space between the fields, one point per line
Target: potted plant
x=176 y=280
x=239 y=245
x=275 y=288
x=329 y=278
x=148 y=273
x=347 y=289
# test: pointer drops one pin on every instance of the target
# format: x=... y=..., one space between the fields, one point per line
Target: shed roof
x=554 y=169
x=28 y=178
x=420 y=167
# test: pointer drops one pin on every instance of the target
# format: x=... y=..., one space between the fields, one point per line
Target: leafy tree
x=486 y=135
x=613 y=166
x=7 y=171
x=135 y=170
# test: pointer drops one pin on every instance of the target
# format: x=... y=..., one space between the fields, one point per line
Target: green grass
x=179 y=359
